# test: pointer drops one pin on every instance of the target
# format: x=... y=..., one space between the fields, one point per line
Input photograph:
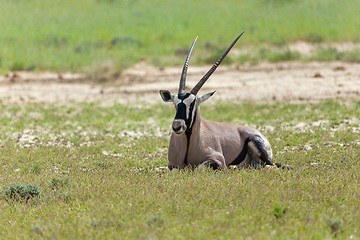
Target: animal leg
x=254 y=153
x=209 y=163
x=214 y=160
x=249 y=162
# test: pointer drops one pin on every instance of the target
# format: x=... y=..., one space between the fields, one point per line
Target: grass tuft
x=314 y=38
x=277 y=56
x=59 y=182
x=335 y=224
x=22 y=193
x=36 y=169
x=154 y=220
x=280 y=211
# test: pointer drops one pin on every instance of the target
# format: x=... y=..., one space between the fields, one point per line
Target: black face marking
x=184 y=111
x=181 y=111
x=189 y=121
x=183 y=96
x=188 y=135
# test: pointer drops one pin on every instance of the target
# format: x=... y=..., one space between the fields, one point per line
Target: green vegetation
x=21 y=192
x=331 y=54
x=97 y=169
x=81 y=35
x=285 y=54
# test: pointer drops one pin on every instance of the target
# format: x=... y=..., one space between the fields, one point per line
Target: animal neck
x=192 y=134
x=193 y=131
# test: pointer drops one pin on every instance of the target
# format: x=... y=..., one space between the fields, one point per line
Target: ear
x=167 y=96
x=205 y=97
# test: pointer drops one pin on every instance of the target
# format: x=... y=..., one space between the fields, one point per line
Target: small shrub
x=59 y=182
x=314 y=38
x=327 y=54
x=64 y=196
x=55 y=41
x=278 y=55
x=280 y=211
x=283 y=56
x=22 y=192
x=17 y=66
x=96 y=222
x=252 y=59
x=32 y=168
x=335 y=225
x=215 y=55
x=352 y=56
x=36 y=169
x=155 y=220
x=38 y=228
x=104 y=72
x=103 y=164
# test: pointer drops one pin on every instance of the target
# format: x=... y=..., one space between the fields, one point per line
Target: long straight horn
x=213 y=68
x=184 y=71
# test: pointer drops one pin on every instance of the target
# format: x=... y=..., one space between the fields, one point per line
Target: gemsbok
x=196 y=141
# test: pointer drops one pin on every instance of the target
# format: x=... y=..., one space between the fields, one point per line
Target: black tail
x=260 y=145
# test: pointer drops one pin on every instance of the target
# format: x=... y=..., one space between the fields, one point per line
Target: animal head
x=186 y=103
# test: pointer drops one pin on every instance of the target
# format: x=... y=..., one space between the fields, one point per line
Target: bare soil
x=266 y=82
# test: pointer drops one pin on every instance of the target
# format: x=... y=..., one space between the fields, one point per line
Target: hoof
x=286 y=167
x=233 y=167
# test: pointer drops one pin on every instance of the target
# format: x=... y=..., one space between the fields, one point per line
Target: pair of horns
x=208 y=74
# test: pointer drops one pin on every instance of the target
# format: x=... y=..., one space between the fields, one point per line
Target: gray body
x=199 y=142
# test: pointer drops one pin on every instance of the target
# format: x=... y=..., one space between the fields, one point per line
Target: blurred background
x=85 y=35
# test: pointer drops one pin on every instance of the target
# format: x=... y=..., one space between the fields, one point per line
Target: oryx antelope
x=196 y=141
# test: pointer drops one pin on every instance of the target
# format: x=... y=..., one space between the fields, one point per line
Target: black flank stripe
x=242 y=154
x=188 y=135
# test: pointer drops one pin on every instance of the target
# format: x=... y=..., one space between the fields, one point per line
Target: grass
x=285 y=54
x=75 y=36
x=95 y=168
x=332 y=54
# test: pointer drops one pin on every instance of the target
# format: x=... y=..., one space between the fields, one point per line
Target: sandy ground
x=289 y=82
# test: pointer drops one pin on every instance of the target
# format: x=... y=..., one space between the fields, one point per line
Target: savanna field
x=95 y=167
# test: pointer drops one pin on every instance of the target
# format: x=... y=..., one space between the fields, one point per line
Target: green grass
x=75 y=36
x=284 y=54
x=332 y=54
x=94 y=167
